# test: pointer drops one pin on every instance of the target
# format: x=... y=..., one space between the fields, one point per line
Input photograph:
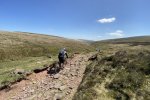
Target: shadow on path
x=54 y=69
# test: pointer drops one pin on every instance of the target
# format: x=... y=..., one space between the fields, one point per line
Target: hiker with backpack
x=62 y=57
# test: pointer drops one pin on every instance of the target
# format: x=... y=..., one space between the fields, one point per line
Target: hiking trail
x=42 y=86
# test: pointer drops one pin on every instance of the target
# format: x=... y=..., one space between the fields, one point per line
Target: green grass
x=25 y=63
x=17 y=45
x=28 y=64
x=128 y=69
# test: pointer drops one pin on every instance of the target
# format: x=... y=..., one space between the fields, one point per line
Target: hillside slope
x=130 y=39
x=15 y=45
x=121 y=72
x=121 y=76
x=138 y=40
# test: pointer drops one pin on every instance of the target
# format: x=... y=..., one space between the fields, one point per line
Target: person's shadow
x=54 y=69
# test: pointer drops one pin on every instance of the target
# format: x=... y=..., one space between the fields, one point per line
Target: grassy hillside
x=139 y=40
x=130 y=39
x=131 y=44
x=122 y=76
x=15 y=45
x=121 y=72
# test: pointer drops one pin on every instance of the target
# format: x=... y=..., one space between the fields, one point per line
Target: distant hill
x=86 y=41
x=15 y=45
x=138 y=40
x=130 y=39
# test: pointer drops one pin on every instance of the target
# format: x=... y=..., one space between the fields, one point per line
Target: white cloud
x=107 y=20
x=118 y=33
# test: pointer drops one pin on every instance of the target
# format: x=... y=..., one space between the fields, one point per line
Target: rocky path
x=42 y=86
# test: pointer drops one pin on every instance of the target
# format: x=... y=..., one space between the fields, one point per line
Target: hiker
x=62 y=57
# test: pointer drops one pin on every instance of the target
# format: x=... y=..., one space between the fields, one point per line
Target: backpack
x=62 y=54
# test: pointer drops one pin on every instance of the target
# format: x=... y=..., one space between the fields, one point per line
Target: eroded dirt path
x=42 y=86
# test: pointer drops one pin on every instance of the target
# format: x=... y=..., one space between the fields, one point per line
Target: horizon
x=87 y=20
x=72 y=38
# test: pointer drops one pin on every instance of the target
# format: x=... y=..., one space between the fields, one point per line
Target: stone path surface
x=42 y=86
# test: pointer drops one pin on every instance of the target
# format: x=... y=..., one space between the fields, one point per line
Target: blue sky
x=77 y=19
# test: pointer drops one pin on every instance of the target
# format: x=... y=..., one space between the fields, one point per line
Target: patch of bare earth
x=42 y=86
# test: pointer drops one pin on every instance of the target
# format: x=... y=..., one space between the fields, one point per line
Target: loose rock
x=56 y=76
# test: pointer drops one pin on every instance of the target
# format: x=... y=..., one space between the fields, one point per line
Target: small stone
x=40 y=95
x=45 y=83
x=62 y=88
x=51 y=86
x=68 y=92
x=23 y=89
x=70 y=87
x=58 y=96
x=31 y=91
x=65 y=78
x=57 y=85
x=67 y=68
x=71 y=79
x=13 y=97
x=56 y=76
x=77 y=70
x=25 y=95
x=72 y=74
x=34 y=82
